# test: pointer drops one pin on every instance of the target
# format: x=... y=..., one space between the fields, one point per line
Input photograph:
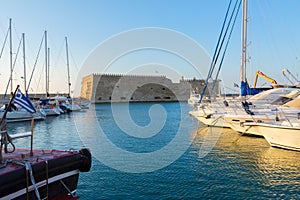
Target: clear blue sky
x=273 y=33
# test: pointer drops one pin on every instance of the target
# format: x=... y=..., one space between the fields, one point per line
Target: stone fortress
x=113 y=88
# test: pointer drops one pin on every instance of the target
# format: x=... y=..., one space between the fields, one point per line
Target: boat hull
x=21 y=116
x=51 y=112
x=238 y=122
x=210 y=119
x=282 y=137
x=285 y=137
x=54 y=172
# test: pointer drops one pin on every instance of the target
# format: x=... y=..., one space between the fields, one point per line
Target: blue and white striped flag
x=24 y=102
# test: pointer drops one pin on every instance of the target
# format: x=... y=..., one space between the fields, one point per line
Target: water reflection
x=243 y=163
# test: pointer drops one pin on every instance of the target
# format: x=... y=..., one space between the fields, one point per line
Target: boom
x=292 y=75
x=259 y=73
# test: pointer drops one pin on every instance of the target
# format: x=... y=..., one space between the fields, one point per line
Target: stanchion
x=31 y=141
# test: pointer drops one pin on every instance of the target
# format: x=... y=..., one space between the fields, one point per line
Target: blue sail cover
x=246 y=90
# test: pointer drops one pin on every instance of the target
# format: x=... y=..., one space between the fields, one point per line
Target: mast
x=244 y=47
x=48 y=70
x=68 y=67
x=46 y=65
x=23 y=38
x=10 y=57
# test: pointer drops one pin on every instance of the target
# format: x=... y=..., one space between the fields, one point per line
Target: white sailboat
x=50 y=108
x=18 y=114
x=234 y=113
x=72 y=106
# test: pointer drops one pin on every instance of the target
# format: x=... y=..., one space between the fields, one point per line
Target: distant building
x=105 y=88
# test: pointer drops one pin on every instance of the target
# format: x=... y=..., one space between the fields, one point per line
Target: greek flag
x=236 y=85
x=24 y=102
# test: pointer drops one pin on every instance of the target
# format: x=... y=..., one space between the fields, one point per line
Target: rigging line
x=18 y=50
x=59 y=54
x=224 y=37
x=219 y=39
x=216 y=49
x=40 y=77
x=35 y=63
x=14 y=64
x=73 y=59
x=4 y=43
x=226 y=46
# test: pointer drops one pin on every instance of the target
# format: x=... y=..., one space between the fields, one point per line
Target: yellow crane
x=259 y=73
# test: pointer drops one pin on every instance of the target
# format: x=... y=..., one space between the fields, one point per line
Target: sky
x=273 y=38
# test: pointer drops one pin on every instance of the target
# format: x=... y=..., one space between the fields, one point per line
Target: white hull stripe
x=40 y=184
x=284 y=146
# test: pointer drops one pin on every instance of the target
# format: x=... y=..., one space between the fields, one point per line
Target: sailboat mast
x=244 y=47
x=23 y=38
x=46 y=65
x=48 y=70
x=10 y=57
x=68 y=67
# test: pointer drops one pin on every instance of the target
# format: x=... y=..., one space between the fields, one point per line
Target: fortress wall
x=107 y=88
x=87 y=86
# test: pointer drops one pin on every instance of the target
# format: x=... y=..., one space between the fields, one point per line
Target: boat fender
x=86 y=160
x=226 y=103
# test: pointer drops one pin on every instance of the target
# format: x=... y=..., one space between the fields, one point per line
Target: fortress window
x=163 y=88
x=167 y=97
x=157 y=98
x=99 y=98
x=109 y=97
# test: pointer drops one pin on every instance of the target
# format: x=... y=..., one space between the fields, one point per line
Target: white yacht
x=285 y=134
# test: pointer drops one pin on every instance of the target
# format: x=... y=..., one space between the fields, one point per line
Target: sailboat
x=236 y=112
x=49 y=107
x=67 y=103
x=17 y=114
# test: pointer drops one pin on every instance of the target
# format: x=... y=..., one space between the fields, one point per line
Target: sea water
x=176 y=157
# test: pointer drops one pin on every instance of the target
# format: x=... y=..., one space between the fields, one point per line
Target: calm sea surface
x=190 y=161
